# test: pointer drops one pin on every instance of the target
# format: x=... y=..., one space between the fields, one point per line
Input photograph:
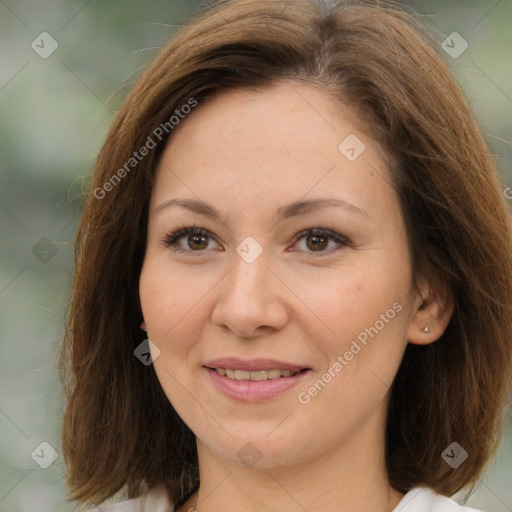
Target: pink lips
x=252 y=364
x=254 y=391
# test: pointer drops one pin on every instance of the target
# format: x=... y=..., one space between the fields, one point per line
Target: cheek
x=371 y=347
x=169 y=302
x=166 y=300
x=352 y=300
x=356 y=379
x=158 y=300
x=366 y=312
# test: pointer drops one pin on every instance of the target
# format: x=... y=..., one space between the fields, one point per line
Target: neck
x=349 y=477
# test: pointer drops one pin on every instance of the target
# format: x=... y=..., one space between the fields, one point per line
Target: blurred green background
x=55 y=112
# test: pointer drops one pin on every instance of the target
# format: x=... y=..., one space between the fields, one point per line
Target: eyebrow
x=284 y=212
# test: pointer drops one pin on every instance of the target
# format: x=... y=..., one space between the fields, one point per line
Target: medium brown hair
x=119 y=430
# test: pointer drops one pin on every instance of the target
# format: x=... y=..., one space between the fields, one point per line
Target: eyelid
x=322 y=232
x=170 y=239
x=339 y=239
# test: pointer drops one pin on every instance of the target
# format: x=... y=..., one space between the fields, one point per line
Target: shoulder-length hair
x=119 y=430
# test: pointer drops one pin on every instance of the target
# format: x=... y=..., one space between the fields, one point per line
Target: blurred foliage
x=54 y=115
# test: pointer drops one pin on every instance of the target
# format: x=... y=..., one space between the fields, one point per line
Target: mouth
x=254 y=380
x=258 y=375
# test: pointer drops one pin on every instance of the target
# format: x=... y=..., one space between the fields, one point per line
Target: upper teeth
x=257 y=375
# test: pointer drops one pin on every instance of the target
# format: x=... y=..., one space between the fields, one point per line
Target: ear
x=143 y=326
x=432 y=311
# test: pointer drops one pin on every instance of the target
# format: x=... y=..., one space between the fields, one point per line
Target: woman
x=294 y=279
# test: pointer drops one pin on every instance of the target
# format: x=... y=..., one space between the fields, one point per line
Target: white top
x=419 y=499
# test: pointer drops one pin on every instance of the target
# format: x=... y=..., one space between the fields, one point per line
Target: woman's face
x=283 y=322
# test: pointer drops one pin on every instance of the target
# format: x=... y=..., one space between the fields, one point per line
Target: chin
x=259 y=444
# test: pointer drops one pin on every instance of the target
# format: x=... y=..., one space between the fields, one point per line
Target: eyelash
x=171 y=239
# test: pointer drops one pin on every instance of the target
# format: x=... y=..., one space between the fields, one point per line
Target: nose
x=251 y=299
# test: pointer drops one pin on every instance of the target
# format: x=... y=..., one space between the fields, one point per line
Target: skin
x=247 y=153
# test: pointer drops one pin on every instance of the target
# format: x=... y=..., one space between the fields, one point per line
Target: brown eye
x=319 y=240
x=197 y=242
x=317 y=243
x=190 y=239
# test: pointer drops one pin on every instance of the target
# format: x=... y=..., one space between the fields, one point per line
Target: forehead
x=290 y=140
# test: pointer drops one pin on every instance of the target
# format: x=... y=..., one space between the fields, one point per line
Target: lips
x=254 y=380
x=254 y=365
x=257 y=375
